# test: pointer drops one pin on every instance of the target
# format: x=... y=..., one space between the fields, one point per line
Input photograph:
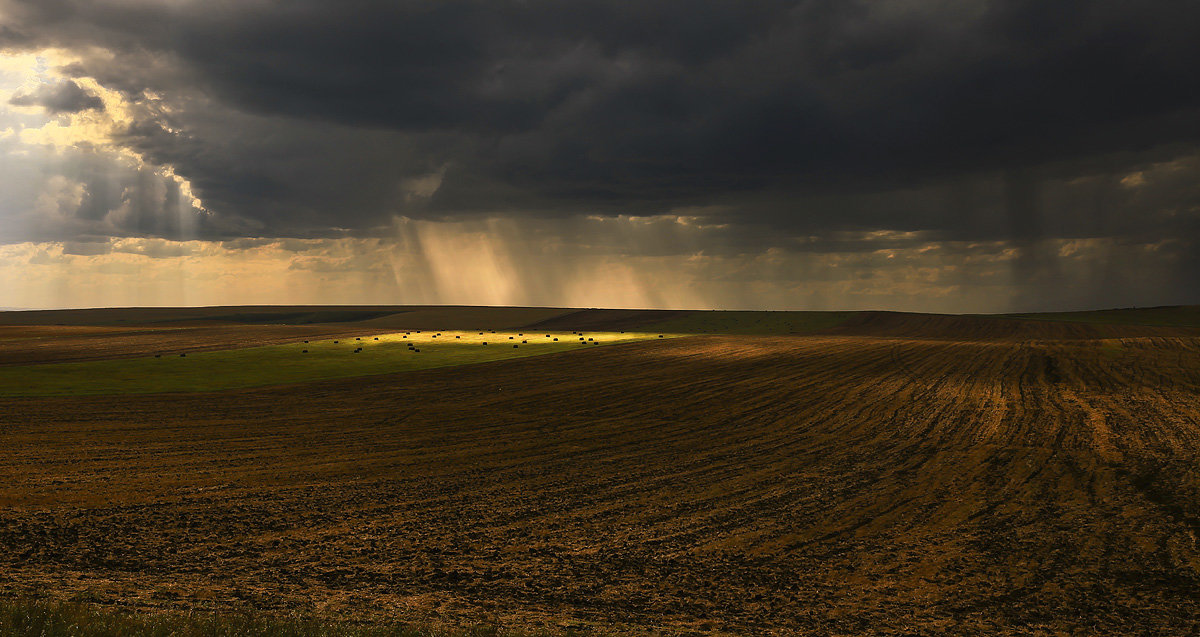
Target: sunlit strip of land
x=166 y=371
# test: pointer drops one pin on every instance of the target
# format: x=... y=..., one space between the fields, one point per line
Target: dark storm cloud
x=86 y=248
x=959 y=119
x=64 y=97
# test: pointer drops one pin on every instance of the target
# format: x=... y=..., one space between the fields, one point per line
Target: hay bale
x=556 y=339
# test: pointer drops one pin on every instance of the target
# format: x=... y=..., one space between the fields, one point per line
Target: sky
x=917 y=155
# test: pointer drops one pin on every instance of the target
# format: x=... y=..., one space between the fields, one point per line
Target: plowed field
x=876 y=479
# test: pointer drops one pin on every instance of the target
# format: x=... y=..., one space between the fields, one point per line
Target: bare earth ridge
x=990 y=481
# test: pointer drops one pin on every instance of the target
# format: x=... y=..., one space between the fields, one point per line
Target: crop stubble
x=835 y=484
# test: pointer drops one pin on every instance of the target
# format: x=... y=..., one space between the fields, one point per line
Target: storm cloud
x=785 y=124
x=66 y=97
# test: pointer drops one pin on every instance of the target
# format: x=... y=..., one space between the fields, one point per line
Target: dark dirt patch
x=755 y=485
x=609 y=320
x=26 y=345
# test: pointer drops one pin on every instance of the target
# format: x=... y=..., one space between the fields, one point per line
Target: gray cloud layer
x=66 y=97
x=976 y=120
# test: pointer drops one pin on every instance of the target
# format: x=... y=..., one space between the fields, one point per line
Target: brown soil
x=967 y=327
x=833 y=484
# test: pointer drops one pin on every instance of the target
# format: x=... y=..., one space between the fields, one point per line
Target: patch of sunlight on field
x=321 y=359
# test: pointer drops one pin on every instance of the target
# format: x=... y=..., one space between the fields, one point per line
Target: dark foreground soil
x=838 y=484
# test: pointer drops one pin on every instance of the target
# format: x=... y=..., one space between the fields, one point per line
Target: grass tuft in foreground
x=62 y=619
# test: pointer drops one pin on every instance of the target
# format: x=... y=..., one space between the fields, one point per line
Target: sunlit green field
x=295 y=362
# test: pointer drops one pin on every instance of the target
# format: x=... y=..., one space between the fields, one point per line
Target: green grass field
x=283 y=364
x=751 y=322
